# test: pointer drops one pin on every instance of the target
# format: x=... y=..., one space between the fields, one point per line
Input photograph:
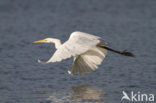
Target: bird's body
x=88 y=51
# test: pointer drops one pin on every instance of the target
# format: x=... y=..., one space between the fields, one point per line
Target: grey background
x=123 y=24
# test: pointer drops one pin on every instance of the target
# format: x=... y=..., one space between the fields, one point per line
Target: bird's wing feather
x=77 y=44
x=88 y=61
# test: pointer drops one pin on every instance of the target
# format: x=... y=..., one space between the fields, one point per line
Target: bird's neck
x=57 y=43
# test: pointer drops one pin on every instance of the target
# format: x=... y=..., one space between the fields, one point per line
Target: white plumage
x=88 y=61
x=85 y=48
x=77 y=44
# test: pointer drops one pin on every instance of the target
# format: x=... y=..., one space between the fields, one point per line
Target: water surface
x=124 y=24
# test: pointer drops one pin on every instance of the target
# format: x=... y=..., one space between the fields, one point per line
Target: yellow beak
x=40 y=41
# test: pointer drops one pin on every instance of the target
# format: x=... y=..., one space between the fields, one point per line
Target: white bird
x=88 y=51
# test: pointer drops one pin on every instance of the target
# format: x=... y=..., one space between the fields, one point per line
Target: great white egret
x=88 y=51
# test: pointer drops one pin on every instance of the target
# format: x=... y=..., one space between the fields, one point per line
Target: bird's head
x=57 y=42
x=46 y=40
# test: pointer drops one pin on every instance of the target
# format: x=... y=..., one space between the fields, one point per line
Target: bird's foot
x=69 y=72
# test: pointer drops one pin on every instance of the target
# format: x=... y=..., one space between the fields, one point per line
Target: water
x=123 y=24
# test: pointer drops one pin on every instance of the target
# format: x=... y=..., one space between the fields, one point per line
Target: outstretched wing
x=77 y=44
x=88 y=61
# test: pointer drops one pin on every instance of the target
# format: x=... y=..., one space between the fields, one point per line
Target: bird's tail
x=125 y=52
